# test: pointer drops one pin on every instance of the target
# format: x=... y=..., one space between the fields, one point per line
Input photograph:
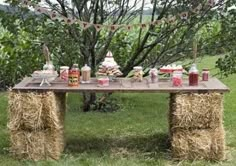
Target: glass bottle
x=153 y=73
x=205 y=74
x=76 y=68
x=193 y=75
x=73 y=78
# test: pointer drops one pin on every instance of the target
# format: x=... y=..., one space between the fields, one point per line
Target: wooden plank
x=124 y=85
x=23 y=83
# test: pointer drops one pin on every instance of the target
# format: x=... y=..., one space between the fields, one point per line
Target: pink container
x=103 y=81
x=177 y=79
x=64 y=71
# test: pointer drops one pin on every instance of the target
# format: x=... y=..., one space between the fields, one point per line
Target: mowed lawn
x=135 y=135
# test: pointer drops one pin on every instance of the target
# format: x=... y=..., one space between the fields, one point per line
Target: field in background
x=136 y=135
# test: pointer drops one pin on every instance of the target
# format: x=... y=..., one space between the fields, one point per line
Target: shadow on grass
x=154 y=146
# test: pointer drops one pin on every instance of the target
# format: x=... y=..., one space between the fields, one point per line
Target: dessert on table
x=171 y=68
x=109 y=67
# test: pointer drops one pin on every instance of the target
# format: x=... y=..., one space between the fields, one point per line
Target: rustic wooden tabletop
x=123 y=85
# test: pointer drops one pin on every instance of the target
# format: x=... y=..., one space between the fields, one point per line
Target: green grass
x=136 y=135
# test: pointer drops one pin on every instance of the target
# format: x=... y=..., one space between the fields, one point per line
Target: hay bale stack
x=54 y=110
x=27 y=145
x=36 y=124
x=198 y=144
x=25 y=111
x=191 y=111
x=37 y=145
x=196 y=126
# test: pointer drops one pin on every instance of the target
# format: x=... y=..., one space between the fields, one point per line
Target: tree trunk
x=88 y=100
x=91 y=99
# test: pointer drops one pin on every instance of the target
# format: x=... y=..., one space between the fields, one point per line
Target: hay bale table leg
x=196 y=126
x=36 y=124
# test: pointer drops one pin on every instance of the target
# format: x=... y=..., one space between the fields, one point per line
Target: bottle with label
x=86 y=74
x=193 y=75
x=74 y=75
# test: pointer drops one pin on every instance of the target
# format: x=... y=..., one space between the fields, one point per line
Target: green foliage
x=122 y=46
x=19 y=55
x=209 y=39
x=227 y=42
x=227 y=64
x=20 y=46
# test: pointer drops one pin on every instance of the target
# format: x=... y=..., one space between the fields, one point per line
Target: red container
x=193 y=79
x=177 y=79
x=205 y=74
x=193 y=75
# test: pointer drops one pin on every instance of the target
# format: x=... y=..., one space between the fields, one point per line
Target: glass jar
x=103 y=81
x=86 y=74
x=193 y=75
x=205 y=74
x=64 y=71
x=138 y=73
x=73 y=78
x=177 y=79
x=153 y=73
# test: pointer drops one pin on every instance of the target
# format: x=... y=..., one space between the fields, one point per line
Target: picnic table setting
x=99 y=48
x=37 y=106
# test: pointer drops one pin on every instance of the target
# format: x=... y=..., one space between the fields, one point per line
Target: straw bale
x=37 y=145
x=198 y=144
x=54 y=145
x=25 y=111
x=54 y=110
x=28 y=145
x=36 y=111
x=196 y=111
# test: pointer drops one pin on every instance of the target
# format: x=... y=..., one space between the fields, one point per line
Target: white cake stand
x=46 y=78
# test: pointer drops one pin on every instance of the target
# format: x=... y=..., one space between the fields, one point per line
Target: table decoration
x=109 y=67
x=46 y=76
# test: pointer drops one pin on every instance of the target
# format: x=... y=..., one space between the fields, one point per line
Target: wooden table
x=195 y=113
x=124 y=85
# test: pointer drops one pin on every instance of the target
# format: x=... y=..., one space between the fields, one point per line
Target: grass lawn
x=136 y=135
